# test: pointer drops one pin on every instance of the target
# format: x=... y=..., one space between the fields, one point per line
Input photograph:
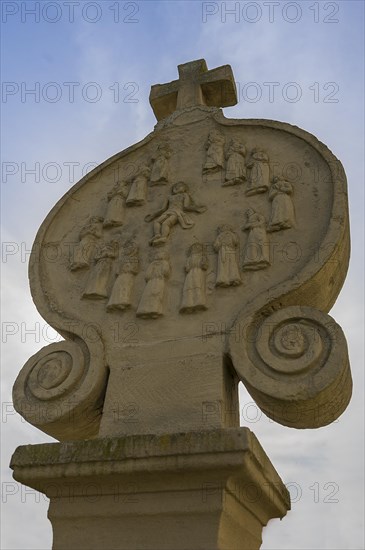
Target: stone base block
x=190 y=491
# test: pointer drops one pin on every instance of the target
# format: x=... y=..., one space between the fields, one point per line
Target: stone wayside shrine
x=204 y=255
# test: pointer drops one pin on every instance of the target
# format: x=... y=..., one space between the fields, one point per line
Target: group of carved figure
x=133 y=191
x=99 y=253
x=179 y=202
x=255 y=173
x=100 y=256
x=172 y=212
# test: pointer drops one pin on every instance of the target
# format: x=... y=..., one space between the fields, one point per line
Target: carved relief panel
x=215 y=229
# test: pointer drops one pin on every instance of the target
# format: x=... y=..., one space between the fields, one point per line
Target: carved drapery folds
x=259 y=177
x=84 y=251
x=152 y=300
x=122 y=292
x=137 y=195
x=116 y=204
x=257 y=250
x=160 y=166
x=194 y=291
x=235 y=168
x=282 y=208
x=97 y=285
x=227 y=247
x=215 y=152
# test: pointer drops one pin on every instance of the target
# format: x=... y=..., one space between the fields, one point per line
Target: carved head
x=260 y=155
x=163 y=149
x=196 y=248
x=145 y=170
x=278 y=179
x=236 y=146
x=179 y=187
x=224 y=227
x=215 y=135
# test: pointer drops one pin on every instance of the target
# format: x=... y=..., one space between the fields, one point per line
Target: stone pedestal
x=200 y=490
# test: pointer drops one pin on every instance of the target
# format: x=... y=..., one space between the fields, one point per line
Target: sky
x=76 y=78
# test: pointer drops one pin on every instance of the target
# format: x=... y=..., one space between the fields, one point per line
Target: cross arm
x=163 y=98
x=218 y=87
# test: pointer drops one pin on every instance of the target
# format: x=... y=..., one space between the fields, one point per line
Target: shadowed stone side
x=208 y=490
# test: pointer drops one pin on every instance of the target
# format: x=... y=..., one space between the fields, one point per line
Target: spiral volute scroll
x=60 y=390
x=294 y=363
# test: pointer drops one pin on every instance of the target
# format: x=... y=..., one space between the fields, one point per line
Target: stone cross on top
x=196 y=86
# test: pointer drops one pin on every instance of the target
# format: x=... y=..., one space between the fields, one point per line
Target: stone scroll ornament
x=266 y=204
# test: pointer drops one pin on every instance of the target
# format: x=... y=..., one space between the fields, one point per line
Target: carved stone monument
x=216 y=262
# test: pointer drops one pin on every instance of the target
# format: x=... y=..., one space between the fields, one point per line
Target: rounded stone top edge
x=277 y=125
x=218 y=115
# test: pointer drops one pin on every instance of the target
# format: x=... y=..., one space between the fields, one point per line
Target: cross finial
x=196 y=86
